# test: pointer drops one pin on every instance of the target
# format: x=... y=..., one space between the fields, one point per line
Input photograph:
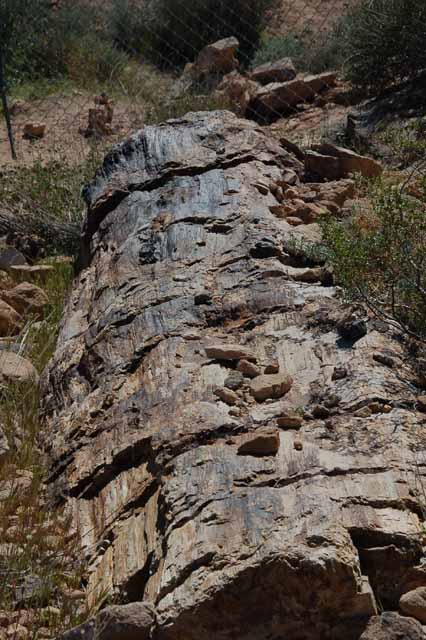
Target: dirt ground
x=63 y=116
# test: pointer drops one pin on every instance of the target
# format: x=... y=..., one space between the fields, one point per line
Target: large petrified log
x=187 y=486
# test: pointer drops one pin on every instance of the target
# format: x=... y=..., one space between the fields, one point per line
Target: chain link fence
x=75 y=76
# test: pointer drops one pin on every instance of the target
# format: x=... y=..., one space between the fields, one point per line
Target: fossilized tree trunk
x=182 y=251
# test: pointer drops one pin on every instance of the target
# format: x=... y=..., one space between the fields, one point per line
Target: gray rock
x=391 y=626
x=10 y=257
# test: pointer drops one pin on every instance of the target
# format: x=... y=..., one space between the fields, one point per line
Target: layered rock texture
x=228 y=453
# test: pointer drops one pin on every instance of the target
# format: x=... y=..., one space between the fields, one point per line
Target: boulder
x=218 y=58
x=413 y=604
x=10 y=320
x=324 y=166
x=26 y=298
x=392 y=626
x=280 y=97
x=270 y=386
x=281 y=71
x=16 y=369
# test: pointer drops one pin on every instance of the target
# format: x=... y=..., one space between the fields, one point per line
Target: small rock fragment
x=271 y=368
x=16 y=369
x=421 y=404
x=298 y=445
x=339 y=373
x=234 y=381
x=270 y=386
x=384 y=359
x=248 y=369
x=392 y=626
x=229 y=352
x=10 y=320
x=320 y=411
x=364 y=412
x=290 y=421
x=261 y=443
x=351 y=327
x=33 y=130
x=227 y=395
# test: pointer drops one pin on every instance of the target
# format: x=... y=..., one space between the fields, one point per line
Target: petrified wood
x=185 y=273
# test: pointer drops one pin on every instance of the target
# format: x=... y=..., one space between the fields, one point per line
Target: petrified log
x=184 y=271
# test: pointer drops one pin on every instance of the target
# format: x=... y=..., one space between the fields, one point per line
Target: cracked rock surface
x=186 y=277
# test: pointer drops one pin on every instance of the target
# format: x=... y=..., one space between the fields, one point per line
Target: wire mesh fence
x=83 y=74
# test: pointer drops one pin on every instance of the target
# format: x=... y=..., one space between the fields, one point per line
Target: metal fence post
x=5 y=105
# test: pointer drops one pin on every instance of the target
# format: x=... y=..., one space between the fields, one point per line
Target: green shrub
x=40 y=43
x=306 y=56
x=380 y=258
x=385 y=42
x=172 y=32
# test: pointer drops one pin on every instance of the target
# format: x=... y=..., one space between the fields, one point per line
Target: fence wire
x=62 y=117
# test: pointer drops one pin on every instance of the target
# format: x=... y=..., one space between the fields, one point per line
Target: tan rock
x=227 y=395
x=391 y=626
x=264 y=442
x=421 y=403
x=272 y=367
x=270 y=386
x=16 y=369
x=26 y=298
x=217 y=58
x=248 y=369
x=238 y=91
x=229 y=351
x=36 y=273
x=294 y=221
x=17 y=632
x=413 y=604
x=10 y=320
x=290 y=421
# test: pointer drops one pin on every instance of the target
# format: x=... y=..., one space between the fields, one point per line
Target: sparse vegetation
x=384 y=42
x=379 y=258
x=306 y=56
x=46 y=200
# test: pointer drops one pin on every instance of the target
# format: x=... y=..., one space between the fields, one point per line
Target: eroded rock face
x=182 y=252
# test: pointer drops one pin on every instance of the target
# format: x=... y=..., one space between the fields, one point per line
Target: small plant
x=385 y=42
x=321 y=56
x=380 y=258
x=45 y=200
